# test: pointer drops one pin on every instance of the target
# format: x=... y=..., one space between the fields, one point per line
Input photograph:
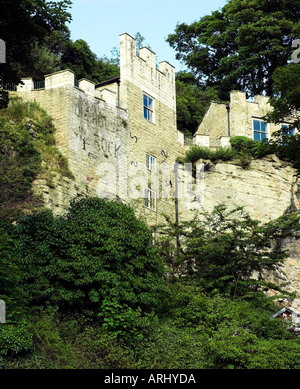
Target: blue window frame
x=260 y=130
x=290 y=132
x=148 y=107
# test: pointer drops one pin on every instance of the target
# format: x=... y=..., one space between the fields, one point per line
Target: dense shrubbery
x=243 y=150
x=94 y=296
x=19 y=165
x=198 y=331
x=223 y=248
x=197 y=152
x=98 y=254
x=15 y=339
x=98 y=260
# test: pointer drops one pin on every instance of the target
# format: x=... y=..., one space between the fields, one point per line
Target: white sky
x=100 y=22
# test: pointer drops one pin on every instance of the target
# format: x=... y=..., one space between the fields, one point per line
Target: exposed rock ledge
x=266 y=189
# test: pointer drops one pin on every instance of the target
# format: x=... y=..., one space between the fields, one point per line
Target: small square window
x=260 y=130
x=150 y=162
x=150 y=199
x=148 y=107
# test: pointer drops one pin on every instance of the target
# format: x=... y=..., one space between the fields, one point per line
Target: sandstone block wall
x=158 y=138
x=214 y=125
x=91 y=133
x=241 y=115
x=102 y=131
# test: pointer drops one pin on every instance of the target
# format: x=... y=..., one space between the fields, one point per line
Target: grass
x=243 y=150
x=27 y=149
x=196 y=152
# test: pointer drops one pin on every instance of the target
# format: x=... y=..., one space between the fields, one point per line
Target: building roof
x=107 y=82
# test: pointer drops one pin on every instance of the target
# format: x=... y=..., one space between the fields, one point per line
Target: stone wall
x=102 y=131
x=159 y=137
x=91 y=133
x=266 y=189
x=241 y=114
x=214 y=125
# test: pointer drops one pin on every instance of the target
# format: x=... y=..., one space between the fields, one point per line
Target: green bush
x=172 y=347
x=97 y=349
x=124 y=323
x=15 y=339
x=10 y=274
x=237 y=348
x=20 y=111
x=19 y=164
x=242 y=149
x=196 y=152
x=287 y=147
x=53 y=351
x=243 y=144
x=97 y=251
x=251 y=148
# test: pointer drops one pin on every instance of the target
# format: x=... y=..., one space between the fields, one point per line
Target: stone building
x=240 y=117
x=119 y=136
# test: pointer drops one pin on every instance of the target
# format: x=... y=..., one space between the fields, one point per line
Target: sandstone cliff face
x=265 y=189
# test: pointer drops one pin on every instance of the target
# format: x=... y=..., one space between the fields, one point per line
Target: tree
x=240 y=46
x=97 y=256
x=286 y=98
x=78 y=57
x=191 y=102
x=43 y=62
x=224 y=248
x=25 y=23
x=139 y=44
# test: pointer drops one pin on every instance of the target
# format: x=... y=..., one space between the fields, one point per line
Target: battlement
x=66 y=79
x=239 y=98
x=141 y=69
x=138 y=69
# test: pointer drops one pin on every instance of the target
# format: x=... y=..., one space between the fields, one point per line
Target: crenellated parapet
x=66 y=79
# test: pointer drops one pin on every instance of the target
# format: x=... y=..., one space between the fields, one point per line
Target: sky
x=100 y=22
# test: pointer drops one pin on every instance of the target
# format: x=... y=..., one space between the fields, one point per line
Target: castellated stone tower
x=119 y=136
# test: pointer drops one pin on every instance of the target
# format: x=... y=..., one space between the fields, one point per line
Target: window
x=150 y=162
x=290 y=131
x=148 y=108
x=260 y=130
x=150 y=199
